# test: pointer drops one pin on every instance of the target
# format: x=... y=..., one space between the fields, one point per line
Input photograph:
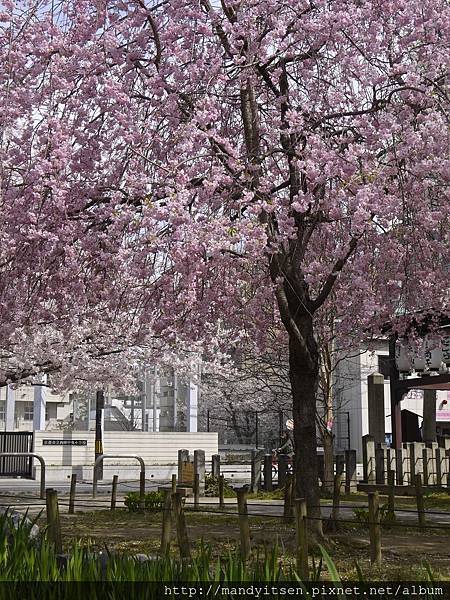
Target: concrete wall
x=154 y=448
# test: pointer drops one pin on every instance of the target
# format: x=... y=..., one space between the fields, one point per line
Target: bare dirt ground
x=406 y=551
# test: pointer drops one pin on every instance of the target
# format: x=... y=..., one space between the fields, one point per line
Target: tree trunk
x=328 y=459
x=304 y=383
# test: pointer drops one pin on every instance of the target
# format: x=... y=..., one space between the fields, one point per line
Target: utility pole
x=99 y=406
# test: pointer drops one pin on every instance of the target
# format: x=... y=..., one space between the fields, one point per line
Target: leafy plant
x=152 y=501
x=387 y=515
x=212 y=487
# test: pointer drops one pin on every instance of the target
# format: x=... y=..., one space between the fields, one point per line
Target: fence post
x=114 y=492
x=174 y=484
x=142 y=490
x=53 y=522
x=287 y=510
x=196 y=490
x=399 y=465
x=182 y=534
x=215 y=465
x=268 y=486
x=374 y=528
x=391 y=496
x=301 y=539
x=256 y=471
x=221 y=491
x=244 y=527
x=438 y=461
x=166 y=523
x=199 y=468
x=337 y=485
x=350 y=471
x=419 y=499
x=369 y=459
x=73 y=486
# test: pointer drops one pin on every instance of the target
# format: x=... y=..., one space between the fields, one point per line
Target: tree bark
x=304 y=379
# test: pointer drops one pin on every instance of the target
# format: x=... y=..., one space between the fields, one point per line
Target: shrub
x=212 y=487
x=153 y=501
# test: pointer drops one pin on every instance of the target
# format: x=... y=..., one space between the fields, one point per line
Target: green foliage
x=212 y=487
x=153 y=501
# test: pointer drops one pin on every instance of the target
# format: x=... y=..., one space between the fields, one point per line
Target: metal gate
x=16 y=466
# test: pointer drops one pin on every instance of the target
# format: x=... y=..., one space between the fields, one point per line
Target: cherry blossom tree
x=190 y=171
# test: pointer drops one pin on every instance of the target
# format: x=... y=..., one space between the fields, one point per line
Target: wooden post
x=166 y=523
x=221 y=491
x=391 y=496
x=174 y=484
x=268 y=485
x=73 y=486
x=243 y=523
x=419 y=499
x=182 y=534
x=374 y=528
x=337 y=486
x=438 y=461
x=53 y=522
x=142 y=490
x=215 y=465
x=287 y=510
x=196 y=490
x=114 y=492
x=301 y=539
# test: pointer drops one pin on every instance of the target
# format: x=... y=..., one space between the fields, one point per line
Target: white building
x=351 y=398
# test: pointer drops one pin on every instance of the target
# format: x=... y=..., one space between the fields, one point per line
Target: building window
x=384 y=365
x=28 y=411
x=2 y=410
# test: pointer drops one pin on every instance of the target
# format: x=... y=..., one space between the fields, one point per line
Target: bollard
x=221 y=491
x=268 y=484
x=166 y=524
x=374 y=528
x=391 y=492
x=301 y=539
x=244 y=527
x=73 y=486
x=196 y=490
x=142 y=490
x=53 y=522
x=287 y=510
x=114 y=492
x=419 y=499
x=182 y=534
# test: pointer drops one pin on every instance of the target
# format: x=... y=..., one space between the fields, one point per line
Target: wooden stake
x=53 y=522
x=221 y=491
x=142 y=490
x=196 y=490
x=182 y=533
x=374 y=528
x=174 y=484
x=419 y=499
x=166 y=524
x=244 y=527
x=287 y=511
x=114 y=492
x=301 y=539
x=73 y=486
x=391 y=496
